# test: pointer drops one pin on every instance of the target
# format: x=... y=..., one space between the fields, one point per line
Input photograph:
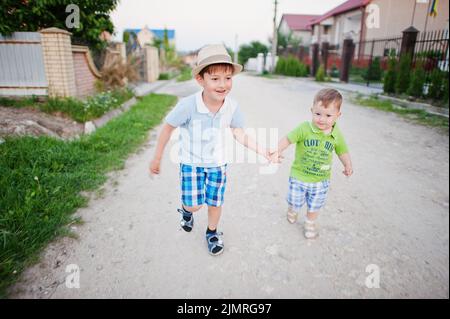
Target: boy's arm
x=163 y=138
x=282 y=145
x=347 y=162
x=248 y=142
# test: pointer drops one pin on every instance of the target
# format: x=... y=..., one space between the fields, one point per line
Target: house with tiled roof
x=364 y=20
x=298 y=25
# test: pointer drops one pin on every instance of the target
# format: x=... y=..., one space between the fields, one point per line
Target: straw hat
x=212 y=54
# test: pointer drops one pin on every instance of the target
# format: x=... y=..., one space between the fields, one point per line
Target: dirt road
x=389 y=219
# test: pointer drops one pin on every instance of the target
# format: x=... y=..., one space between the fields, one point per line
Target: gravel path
x=392 y=213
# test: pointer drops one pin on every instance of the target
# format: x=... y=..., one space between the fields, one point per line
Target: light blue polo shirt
x=202 y=133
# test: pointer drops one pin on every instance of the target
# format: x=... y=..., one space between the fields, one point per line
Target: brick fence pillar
x=409 y=41
x=58 y=60
x=324 y=53
x=315 y=59
x=151 y=63
x=348 y=52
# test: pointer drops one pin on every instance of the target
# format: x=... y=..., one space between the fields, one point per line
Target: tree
x=390 y=77
x=435 y=90
x=247 y=51
x=417 y=81
x=39 y=14
x=374 y=71
x=284 y=40
x=320 y=75
x=404 y=71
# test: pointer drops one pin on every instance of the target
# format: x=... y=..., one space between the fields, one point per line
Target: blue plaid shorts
x=201 y=185
x=314 y=194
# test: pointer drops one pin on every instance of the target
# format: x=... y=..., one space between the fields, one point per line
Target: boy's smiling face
x=217 y=84
x=325 y=117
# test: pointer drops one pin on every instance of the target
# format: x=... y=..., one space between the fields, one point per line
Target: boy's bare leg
x=192 y=209
x=312 y=216
x=214 y=216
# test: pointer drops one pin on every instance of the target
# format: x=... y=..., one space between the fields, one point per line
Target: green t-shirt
x=314 y=152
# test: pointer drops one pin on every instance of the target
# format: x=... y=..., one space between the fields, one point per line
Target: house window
x=326 y=29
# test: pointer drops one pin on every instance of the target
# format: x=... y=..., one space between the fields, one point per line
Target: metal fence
x=430 y=48
x=22 y=62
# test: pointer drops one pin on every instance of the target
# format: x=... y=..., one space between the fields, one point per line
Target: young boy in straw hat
x=203 y=118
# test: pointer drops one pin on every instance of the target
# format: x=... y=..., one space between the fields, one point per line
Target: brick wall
x=85 y=72
x=59 y=69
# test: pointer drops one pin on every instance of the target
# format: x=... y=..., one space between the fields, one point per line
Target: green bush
x=390 y=77
x=374 y=71
x=185 y=74
x=320 y=75
x=404 y=74
x=280 y=67
x=436 y=89
x=78 y=110
x=291 y=67
x=417 y=81
x=164 y=76
x=445 y=99
x=334 y=71
x=247 y=51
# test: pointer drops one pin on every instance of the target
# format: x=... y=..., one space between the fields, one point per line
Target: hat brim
x=237 y=67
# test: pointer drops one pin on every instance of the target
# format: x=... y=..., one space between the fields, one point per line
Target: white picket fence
x=260 y=64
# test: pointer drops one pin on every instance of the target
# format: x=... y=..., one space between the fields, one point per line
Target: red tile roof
x=346 y=6
x=299 y=22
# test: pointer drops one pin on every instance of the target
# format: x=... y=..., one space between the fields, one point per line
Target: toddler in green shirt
x=310 y=173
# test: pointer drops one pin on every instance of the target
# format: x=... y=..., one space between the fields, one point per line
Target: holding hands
x=274 y=157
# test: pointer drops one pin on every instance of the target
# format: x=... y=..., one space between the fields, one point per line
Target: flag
x=433 y=8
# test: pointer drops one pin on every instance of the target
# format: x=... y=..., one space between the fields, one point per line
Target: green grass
x=78 y=110
x=417 y=116
x=268 y=75
x=41 y=180
x=185 y=75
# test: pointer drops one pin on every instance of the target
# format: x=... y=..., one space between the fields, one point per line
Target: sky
x=200 y=22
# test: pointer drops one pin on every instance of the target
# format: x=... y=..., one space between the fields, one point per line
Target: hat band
x=219 y=58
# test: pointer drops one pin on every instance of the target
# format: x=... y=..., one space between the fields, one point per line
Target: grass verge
x=417 y=116
x=185 y=75
x=41 y=180
x=78 y=110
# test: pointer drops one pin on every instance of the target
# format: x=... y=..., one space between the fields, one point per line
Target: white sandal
x=292 y=216
x=311 y=230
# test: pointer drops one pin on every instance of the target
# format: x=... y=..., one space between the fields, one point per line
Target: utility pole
x=275 y=37
x=414 y=13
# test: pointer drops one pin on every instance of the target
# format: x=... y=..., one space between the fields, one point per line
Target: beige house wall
x=304 y=35
x=284 y=28
x=396 y=16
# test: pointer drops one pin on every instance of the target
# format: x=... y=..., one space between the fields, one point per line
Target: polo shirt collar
x=317 y=130
x=201 y=107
